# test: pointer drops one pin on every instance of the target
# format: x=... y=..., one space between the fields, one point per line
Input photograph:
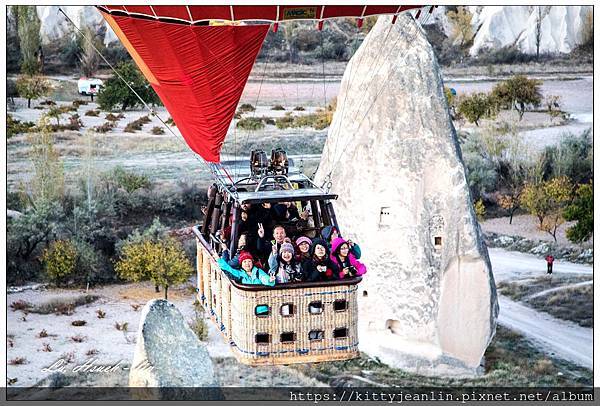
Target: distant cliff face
x=55 y=25
x=560 y=28
x=557 y=29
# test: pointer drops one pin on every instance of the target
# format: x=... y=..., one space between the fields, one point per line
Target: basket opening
x=340 y=305
x=288 y=337
x=316 y=335
x=315 y=307
x=365 y=294
x=287 y=309
x=438 y=241
x=340 y=332
x=262 y=310
x=262 y=338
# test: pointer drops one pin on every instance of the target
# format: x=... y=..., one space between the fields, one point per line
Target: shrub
x=43 y=334
x=20 y=305
x=299 y=108
x=572 y=158
x=198 y=325
x=77 y=103
x=78 y=338
x=171 y=122
x=128 y=180
x=157 y=130
x=59 y=260
x=479 y=210
x=46 y=347
x=14 y=126
x=277 y=107
x=286 y=121
x=17 y=361
x=268 y=120
x=92 y=113
x=250 y=124
x=133 y=127
x=101 y=314
x=104 y=128
x=32 y=87
x=121 y=326
x=246 y=107
x=75 y=123
x=114 y=118
x=64 y=256
x=144 y=119
x=115 y=93
x=78 y=323
x=91 y=352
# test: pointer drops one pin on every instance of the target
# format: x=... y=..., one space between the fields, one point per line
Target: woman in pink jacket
x=342 y=257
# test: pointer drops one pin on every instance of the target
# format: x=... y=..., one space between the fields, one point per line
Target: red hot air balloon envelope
x=199 y=70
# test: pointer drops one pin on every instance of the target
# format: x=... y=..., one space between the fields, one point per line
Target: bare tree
x=538 y=31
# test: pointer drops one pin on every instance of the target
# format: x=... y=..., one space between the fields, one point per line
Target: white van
x=89 y=86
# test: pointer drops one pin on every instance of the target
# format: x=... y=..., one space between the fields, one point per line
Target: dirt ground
x=527 y=226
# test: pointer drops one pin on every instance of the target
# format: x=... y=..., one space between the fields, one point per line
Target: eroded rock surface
x=428 y=302
x=168 y=354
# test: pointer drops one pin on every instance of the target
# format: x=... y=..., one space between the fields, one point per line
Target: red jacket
x=549 y=259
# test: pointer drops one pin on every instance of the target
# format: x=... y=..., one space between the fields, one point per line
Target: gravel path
x=545 y=292
x=559 y=338
x=511 y=265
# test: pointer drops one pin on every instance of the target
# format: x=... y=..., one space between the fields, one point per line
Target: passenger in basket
x=345 y=260
x=303 y=251
x=284 y=266
x=249 y=274
x=319 y=267
x=243 y=246
x=330 y=233
x=263 y=247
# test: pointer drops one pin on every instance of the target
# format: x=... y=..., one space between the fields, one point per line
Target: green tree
x=164 y=263
x=518 y=92
x=30 y=40
x=461 y=25
x=582 y=211
x=32 y=87
x=476 y=106
x=115 y=93
x=547 y=201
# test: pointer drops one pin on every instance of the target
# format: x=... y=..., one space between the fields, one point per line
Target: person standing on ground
x=549 y=261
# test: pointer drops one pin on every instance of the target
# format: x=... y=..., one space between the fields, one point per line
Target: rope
x=150 y=109
x=327 y=180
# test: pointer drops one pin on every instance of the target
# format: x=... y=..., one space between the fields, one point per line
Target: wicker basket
x=305 y=322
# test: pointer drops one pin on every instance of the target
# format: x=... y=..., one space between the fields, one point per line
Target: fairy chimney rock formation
x=168 y=355
x=428 y=302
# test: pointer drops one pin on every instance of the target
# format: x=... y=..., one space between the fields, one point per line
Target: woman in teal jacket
x=249 y=274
